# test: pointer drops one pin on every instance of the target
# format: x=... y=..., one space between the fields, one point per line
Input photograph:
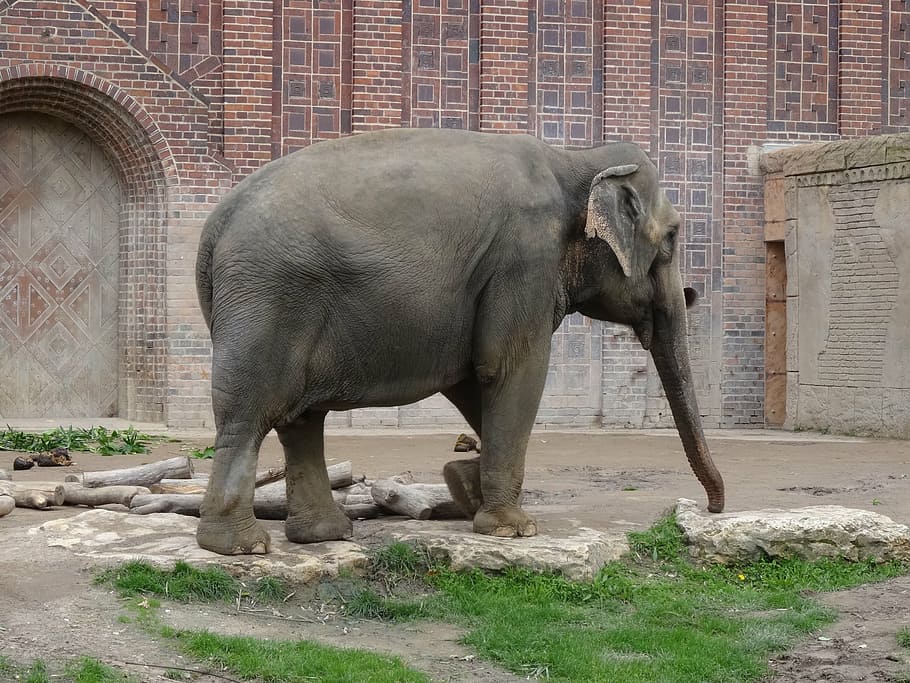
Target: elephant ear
x=614 y=209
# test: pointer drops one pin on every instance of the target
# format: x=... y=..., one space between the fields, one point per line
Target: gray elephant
x=379 y=269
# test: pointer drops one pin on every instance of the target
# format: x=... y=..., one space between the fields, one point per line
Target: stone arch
x=142 y=158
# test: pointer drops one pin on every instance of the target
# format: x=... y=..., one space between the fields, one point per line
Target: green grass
x=95 y=440
x=83 y=670
x=186 y=583
x=656 y=617
x=88 y=670
x=290 y=662
x=903 y=637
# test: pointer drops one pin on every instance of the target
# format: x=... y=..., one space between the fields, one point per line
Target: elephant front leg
x=227 y=524
x=313 y=515
x=509 y=405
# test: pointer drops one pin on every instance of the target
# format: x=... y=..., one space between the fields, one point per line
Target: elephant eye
x=672 y=232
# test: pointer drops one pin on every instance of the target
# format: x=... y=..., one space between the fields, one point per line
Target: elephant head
x=625 y=269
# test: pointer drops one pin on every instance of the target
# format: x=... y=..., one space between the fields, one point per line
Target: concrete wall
x=842 y=210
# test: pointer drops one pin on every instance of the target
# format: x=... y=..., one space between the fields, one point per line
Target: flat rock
x=808 y=533
x=164 y=538
x=577 y=557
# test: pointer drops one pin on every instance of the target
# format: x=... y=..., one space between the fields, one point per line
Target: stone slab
x=808 y=533
x=577 y=557
x=164 y=538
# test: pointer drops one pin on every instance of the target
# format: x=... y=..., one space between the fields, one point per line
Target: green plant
x=95 y=440
x=206 y=453
x=903 y=637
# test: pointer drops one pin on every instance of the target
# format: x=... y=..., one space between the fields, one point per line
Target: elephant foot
x=331 y=526
x=230 y=536
x=505 y=523
x=463 y=479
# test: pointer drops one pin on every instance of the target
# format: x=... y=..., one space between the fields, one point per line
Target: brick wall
x=216 y=88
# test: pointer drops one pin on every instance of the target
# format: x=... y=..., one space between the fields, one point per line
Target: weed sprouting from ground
x=270 y=589
x=95 y=440
x=398 y=560
x=903 y=637
x=206 y=453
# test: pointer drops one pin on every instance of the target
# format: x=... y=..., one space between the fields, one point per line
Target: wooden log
x=27 y=495
x=341 y=474
x=142 y=475
x=270 y=475
x=417 y=501
x=77 y=494
x=7 y=503
x=269 y=502
x=362 y=511
x=179 y=486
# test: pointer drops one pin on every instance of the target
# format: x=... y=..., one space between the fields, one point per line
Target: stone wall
x=842 y=209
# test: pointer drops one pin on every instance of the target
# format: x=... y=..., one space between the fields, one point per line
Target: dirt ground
x=49 y=607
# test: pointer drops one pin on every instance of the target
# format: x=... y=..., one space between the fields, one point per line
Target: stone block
x=813 y=407
x=774 y=201
x=165 y=538
x=577 y=557
x=867 y=411
x=792 y=416
x=896 y=413
x=809 y=533
x=791 y=258
x=792 y=333
x=841 y=409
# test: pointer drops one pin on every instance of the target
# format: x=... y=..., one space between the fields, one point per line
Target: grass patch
x=83 y=670
x=903 y=637
x=654 y=617
x=186 y=583
x=94 y=440
x=287 y=662
x=88 y=670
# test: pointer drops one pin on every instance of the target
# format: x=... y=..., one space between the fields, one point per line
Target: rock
x=164 y=538
x=807 y=533
x=577 y=557
x=23 y=463
x=4 y=475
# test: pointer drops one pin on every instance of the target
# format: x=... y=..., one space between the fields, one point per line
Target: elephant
x=382 y=268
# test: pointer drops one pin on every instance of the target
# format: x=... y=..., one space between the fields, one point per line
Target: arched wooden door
x=59 y=218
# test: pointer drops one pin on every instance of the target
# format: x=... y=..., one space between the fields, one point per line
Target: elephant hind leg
x=313 y=515
x=227 y=524
x=463 y=476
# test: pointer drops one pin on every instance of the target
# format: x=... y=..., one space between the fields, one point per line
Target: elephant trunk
x=671 y=356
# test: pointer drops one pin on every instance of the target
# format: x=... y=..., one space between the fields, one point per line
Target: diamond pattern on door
x=59 y=209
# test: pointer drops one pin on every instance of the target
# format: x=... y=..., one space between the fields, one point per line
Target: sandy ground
x=49 y=607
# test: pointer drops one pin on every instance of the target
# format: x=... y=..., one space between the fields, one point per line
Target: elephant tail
x=211 y=232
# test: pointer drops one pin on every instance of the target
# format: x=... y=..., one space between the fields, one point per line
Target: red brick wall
x=216 y=88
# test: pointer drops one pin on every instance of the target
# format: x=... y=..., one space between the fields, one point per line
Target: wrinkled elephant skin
x=382 y=268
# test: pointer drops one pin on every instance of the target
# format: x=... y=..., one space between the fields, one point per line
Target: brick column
x=248 y=62
x=860 y=70
x=745 y=124
x=627 y=72
x=504 y=65
x=378 y=98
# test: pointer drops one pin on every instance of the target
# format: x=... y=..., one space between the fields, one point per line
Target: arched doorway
x=59 y=244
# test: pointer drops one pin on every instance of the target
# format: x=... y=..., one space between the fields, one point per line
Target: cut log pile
x=172 y=486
